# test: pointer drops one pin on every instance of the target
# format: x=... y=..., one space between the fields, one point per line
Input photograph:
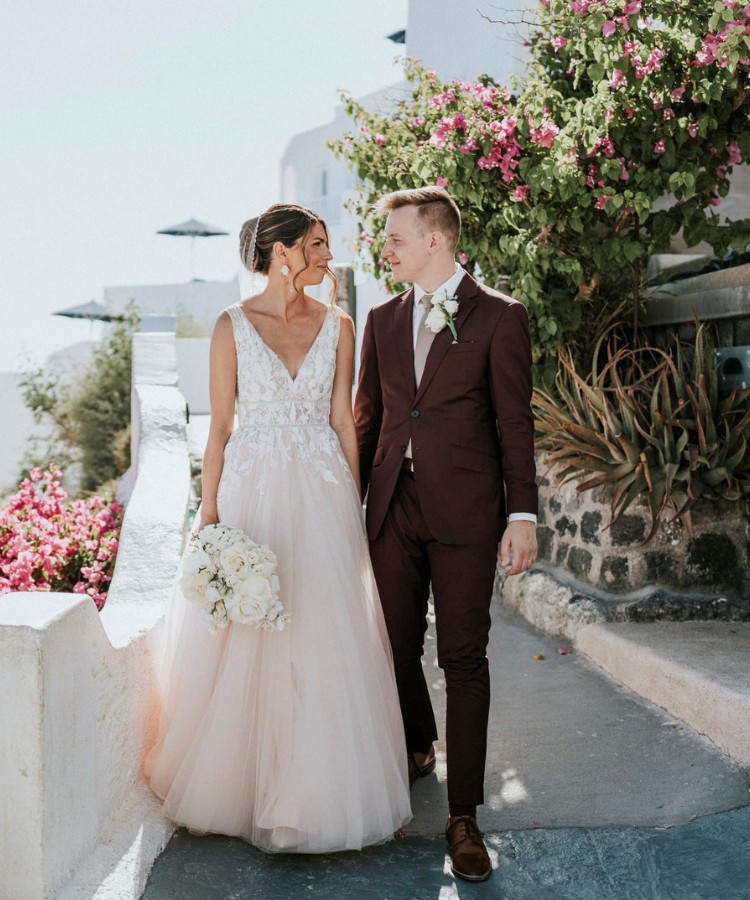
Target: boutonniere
x=443 y=312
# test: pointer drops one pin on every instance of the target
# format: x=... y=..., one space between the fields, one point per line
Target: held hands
x=519 y=546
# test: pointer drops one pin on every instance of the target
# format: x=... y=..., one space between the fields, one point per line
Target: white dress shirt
x=450 y=287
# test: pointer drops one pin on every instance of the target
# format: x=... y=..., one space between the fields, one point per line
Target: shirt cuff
x=522 y=517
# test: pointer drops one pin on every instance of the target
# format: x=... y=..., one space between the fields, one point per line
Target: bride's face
x=309 y=258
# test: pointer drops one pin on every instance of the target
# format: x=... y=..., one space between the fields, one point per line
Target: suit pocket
x=379 y=456
x=476 y=460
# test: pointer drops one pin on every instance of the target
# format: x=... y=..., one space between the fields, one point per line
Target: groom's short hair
x=435 y=207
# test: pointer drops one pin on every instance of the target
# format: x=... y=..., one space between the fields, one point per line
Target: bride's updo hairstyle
x=284 y=222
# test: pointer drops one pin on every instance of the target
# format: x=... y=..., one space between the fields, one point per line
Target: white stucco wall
x=78 y=705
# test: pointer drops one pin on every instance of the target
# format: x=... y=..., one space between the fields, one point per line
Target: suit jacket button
x=415 y=414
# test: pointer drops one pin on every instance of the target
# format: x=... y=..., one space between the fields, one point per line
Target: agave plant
x=650 y=423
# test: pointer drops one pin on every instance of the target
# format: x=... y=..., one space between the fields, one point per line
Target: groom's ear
x=437 y=241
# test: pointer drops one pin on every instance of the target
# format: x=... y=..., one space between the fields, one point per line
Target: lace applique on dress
x=281 y=418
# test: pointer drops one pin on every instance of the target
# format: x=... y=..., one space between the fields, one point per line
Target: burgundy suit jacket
x=470 y=422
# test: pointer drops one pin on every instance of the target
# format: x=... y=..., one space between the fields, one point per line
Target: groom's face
x=407 y=245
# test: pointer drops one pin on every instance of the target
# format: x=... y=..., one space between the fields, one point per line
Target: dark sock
x=456 y=810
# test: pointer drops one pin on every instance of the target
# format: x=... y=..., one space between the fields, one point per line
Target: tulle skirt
x=292 y=740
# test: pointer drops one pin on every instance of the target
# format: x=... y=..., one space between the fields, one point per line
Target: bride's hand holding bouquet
x=232 y=579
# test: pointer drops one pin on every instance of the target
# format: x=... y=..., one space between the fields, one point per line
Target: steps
x=697 y=671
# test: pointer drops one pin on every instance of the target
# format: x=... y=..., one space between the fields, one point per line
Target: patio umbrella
x=91 y=311
x=192 y=229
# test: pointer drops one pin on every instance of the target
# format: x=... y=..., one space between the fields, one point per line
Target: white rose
x=211 y=594
x=435 y=320
x=248 y=610
x=232 y=561
x=451 y=307
x=256 y=586
x=265 y=567
x=195 y=558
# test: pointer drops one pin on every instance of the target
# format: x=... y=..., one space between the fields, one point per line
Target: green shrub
x=88 y=417
x=648 y=424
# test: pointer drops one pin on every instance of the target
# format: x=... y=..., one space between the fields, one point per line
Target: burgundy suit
x=471 y=428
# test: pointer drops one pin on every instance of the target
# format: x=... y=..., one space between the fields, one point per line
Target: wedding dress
x=291 y=740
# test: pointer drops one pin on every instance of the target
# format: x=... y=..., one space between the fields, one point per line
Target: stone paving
x=592 y=794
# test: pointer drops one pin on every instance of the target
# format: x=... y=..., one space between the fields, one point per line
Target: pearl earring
x=285 y=270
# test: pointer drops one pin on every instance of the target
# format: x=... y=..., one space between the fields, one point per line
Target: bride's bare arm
x=222 y=391
x=342 y=418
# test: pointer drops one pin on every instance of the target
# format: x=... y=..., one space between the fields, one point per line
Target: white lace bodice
x=280 y=416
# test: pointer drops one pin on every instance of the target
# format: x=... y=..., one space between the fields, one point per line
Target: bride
x=291 y=740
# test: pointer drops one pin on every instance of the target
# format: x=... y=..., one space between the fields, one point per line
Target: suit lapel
x=403 y=318
x=467 y=289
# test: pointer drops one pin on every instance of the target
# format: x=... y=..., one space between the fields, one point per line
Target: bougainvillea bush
x=50 y=543
x=624 y=131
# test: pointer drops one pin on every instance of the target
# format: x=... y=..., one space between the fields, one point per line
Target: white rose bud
x=435 y=320
x=451 y=307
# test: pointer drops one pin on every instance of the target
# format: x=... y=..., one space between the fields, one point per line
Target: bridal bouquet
x=232 y=579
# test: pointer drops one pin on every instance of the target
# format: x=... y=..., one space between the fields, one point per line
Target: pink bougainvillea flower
x=559 y=42
x=563 y=651
x=660 y=147
x=544 y=134
x=379 y=139
x=441 y=182
x=609 y=28
x=463 y=258
x=520 y=192
x=50 y=544
x=617 y=80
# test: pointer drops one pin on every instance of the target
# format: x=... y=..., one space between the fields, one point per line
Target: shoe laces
x=465 y=827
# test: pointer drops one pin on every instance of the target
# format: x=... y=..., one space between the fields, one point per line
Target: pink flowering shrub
x=623 y=103
x=50 y=543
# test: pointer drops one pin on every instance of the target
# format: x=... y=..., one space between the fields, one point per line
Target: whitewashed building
x=459 y=39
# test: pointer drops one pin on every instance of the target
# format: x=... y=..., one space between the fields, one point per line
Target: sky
x=118 y=119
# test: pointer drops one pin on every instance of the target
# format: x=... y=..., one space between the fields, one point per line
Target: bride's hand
x=206 y=518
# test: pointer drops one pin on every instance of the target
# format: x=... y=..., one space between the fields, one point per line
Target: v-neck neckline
x=275 y=355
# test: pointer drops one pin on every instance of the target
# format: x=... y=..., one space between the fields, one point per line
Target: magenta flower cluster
x=50 y=543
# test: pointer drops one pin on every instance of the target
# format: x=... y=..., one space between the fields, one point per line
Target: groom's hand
x=518 y=546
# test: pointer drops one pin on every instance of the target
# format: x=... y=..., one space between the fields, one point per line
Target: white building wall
x=450 y=36
x=199 y=301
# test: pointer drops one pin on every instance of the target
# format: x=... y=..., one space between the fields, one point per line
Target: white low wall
x=78 y=703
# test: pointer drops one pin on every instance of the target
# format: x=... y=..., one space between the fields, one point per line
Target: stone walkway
x=592 y=794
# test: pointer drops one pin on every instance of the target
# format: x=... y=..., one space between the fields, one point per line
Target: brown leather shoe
x=419 y=770
x=469 y=858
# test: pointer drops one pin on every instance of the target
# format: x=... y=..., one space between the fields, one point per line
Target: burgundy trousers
x=407 y=559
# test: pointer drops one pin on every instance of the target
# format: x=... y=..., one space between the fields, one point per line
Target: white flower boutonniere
x=443 y=312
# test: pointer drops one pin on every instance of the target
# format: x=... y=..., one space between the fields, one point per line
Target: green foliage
x=562 y=183
x=650 y=423
x=88 y=416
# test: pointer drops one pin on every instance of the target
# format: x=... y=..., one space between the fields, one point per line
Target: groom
x=445 y=434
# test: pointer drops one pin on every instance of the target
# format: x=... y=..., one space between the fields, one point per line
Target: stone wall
x=575 y=535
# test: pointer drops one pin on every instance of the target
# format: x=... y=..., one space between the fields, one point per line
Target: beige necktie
x=425 y=338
